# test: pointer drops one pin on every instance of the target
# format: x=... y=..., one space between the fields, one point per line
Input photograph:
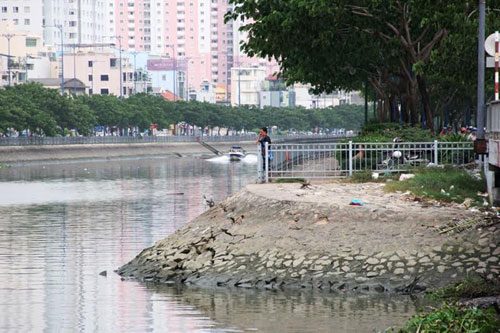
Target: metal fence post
x=266 y=161
x=350 y=158
x=436 y=152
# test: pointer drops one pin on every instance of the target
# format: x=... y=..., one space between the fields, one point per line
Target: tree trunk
x=426 y=103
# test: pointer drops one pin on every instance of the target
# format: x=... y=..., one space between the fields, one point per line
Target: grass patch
x=443 y=184
x=451 y=318
x=365 y=176
x=471 y=287
x=289 y=180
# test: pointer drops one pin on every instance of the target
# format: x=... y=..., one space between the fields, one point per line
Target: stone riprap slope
x=285 y=236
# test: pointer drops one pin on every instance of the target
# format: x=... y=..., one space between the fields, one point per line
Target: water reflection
x=291 y=311
x=63 y=224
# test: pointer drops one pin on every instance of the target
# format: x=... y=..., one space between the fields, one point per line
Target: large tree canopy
x=418 y=56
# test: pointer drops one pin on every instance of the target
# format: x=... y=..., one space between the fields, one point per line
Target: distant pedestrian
x=263 y=138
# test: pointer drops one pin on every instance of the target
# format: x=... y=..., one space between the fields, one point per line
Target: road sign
x=489 y=45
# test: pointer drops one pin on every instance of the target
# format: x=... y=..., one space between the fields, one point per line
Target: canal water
x=62 y=224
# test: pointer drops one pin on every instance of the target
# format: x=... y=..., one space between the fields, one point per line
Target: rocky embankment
x=284 y=236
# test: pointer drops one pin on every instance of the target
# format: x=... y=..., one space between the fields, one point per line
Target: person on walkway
x=263 y=138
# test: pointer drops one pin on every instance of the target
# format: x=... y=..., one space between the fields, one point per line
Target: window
x=104 y=77
x=91 y=92
x=26 y=9
x=4 y=9
x=30 y=42
x=104 y=91
x=90 y=78
x=91 y=63
x=15 y=9
x=26 y=21
x=16 y=21
x=112 y=62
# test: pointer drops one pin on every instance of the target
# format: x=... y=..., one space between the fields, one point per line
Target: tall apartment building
x=23 y=15
x=191 y=31
x=82 y=21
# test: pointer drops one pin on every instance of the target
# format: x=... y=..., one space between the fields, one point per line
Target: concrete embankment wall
x=280 y=236
x=17 y=154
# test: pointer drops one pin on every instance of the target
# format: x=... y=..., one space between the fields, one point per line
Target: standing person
x=263 y=138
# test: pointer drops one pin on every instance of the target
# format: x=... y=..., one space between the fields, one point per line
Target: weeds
x=444 y=184
x=451 y=318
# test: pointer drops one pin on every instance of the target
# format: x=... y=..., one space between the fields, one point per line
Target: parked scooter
x=402 y=156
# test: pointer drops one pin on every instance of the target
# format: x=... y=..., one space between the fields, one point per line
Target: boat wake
x=248 y=159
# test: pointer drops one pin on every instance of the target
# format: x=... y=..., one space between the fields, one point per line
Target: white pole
x=497 y=59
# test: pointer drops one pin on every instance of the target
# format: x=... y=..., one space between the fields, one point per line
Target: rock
x=298 y=262
x=424 y=260
x=372 y=261
x=345 y=268
x=406 y=176
x=399 y=271
x=372 y=274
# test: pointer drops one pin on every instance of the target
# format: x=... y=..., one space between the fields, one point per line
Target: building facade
x=247 y=84
x=79 y=21
x=28 y=57
x=100 y=72
x=23 y=15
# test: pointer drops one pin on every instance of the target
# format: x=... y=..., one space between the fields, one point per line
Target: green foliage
x=386 y=132
x=443 y=184
x=417 y=54
x=46 y=112
x=451 y=318
x=471 y=287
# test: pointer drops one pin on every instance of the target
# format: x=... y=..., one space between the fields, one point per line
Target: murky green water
x=63 y=224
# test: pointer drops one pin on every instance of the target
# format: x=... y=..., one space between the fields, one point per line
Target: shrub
x=451 y=318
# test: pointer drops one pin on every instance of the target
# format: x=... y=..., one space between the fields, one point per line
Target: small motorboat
x=236 y=153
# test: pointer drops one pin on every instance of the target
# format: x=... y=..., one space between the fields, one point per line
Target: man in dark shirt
x=263 y=138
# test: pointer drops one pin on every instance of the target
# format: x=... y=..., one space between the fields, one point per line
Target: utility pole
x=92 y=75
x=175 y=70
x=135 y=72
x=119 y=38
x=239 y=85
x=61 y=32
x=480 y=70
x=60 y=27
x=8 y=36
x=121 y=73
x=74 y=69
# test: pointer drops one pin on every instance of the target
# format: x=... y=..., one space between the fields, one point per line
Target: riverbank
x=20 y=154
x=277 y=236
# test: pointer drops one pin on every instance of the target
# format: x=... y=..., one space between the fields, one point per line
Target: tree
x=394 y=45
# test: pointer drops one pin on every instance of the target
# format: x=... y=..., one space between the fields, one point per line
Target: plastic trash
x=356 y=202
